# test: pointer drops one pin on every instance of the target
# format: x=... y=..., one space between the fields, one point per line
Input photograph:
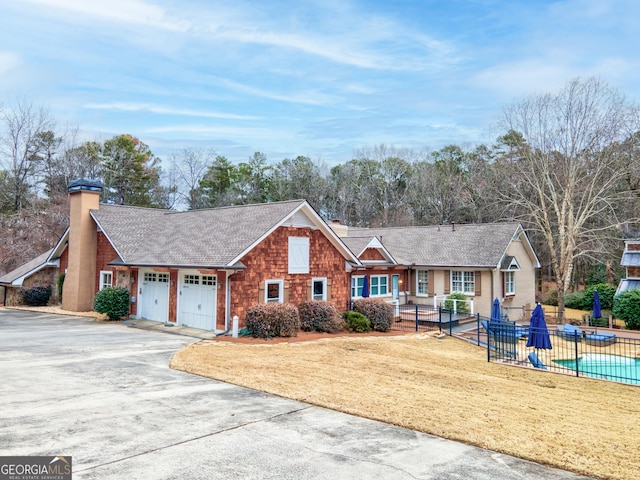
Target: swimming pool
x=609 y=367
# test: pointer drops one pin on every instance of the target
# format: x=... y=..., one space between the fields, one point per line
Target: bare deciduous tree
x=566 y=180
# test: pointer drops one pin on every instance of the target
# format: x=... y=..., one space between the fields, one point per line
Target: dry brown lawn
x=444 y=387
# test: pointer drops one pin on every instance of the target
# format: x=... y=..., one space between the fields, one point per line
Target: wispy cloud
x=122 y=11
x=160 y=110
x=8 y=61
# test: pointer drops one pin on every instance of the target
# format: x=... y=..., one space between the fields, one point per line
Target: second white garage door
x=197 y=301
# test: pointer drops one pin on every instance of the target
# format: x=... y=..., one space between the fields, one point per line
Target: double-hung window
x=422 y=280
x=463 y=282
x=106 y=279
x=509 y=283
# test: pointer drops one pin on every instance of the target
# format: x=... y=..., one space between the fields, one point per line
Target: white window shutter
x=298 y=255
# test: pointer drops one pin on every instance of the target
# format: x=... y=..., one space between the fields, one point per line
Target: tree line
x=567 y=166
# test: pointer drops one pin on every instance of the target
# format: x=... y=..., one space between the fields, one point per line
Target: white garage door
x=154 y=296
x=197 y=301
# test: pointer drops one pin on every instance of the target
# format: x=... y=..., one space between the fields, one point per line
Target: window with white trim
x=274 y=291
x=106 y=279
x=463 y=282
x=378 y=285
x=509 y=283
x=422 y=282
x=319 y=289
x=298 y=255
x=357 y=282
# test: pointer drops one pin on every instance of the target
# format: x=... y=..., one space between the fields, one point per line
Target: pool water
x=608 y=367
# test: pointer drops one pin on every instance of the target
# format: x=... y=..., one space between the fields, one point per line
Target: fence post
x=478 y=326
x=450 y=323
x=416 y=317
x=575 y=341
x=440 y=319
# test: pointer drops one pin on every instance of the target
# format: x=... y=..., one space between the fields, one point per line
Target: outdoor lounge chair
x=571 y=332
x=600 y=339
x=535 y=361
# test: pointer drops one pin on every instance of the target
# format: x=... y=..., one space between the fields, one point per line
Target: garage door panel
x=155 y=296
x=198 y=301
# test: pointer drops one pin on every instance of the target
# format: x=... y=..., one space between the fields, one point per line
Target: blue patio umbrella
x=365 y=286
x=597 y=312
x=538 y=331
x=496 y=311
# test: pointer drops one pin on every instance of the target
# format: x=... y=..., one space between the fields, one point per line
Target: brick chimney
x=79 y=283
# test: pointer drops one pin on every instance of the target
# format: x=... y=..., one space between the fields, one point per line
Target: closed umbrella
x=597 y=312
x=538 y=332
x=365 y=286
x=496 y=311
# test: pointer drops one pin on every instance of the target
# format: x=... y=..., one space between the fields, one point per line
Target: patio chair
x=535 y=361
x=600 y=339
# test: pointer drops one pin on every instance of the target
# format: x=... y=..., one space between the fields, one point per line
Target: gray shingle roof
x=34 y=264
x=357 y=244
x=199 y=238
x=472 y=245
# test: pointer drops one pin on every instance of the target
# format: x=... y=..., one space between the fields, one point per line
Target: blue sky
x=291 y=78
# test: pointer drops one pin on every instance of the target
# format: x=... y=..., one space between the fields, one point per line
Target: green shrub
x=319 y=316
x=461 y=307
x=606 y=293
x=36 y=296
x=379 y=313
x=551 y=298
x=626 y=307
x=574 y=300
x=273 y=320
x=356 y=322
x=114 y=301
x=61 y=278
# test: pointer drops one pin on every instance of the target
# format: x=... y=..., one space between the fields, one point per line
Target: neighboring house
x=200 y=268
x=39 y=271
x=631 y=261
x=424 y=264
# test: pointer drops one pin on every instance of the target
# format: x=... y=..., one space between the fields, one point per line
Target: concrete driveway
x=103 y=394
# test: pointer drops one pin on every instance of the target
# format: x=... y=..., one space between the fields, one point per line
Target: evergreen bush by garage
x=273 y=320
x=379 y=313
x=114 y=301
x=626 y=306
x=320 y=316
x=36 y=296
x=356 y=322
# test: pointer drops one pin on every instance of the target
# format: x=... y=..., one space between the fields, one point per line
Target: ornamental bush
x=626 y=306
x=356 y=322
x=320 y=316
x=61 y=278
x=114 y=301
x=36 y=296
x=606 y=293
x=379 y=313
x=461 y=307
x=574 y=300
x=273 y=320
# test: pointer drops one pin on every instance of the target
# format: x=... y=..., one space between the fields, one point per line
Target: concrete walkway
x=102 y=393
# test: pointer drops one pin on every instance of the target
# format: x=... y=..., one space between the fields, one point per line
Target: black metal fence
x=583 y=352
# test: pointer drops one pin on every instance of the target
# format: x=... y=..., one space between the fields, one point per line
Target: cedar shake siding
x=371 y=254
x=269 y=261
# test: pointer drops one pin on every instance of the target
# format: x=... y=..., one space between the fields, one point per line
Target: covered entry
x=197 y=300
x=154 y=296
